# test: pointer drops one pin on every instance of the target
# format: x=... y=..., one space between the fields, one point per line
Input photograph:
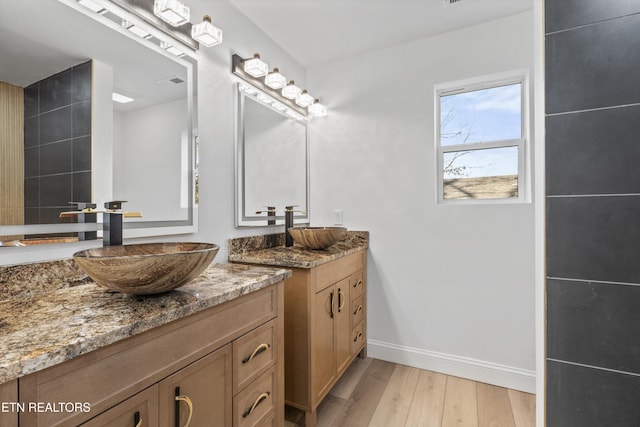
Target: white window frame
x=469 y=85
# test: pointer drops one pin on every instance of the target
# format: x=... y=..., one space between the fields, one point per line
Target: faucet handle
x=114 y=205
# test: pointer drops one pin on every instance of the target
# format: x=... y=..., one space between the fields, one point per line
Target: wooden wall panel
x=11 y=156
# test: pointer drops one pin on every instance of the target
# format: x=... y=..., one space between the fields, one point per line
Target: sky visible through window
x=483 y=115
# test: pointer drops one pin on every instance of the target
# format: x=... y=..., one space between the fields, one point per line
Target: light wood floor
x=382 y=394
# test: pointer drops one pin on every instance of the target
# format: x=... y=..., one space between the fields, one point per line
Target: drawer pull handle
x=357 y=337
x=358 y=283
x=185 y=399
x=137 y=421
x=341 y=299
x=258 y=401
x=259 y=349
x=357 y=310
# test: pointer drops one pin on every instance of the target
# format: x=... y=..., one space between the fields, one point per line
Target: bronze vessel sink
x=317 y=237
x=149 y=268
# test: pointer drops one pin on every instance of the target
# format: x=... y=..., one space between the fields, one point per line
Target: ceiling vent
x=170 y=81
x=451 y=2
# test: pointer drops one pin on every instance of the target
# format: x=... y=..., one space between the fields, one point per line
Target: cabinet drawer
x=255 y=404
x=357 y=338
x=140 y=409
x=329 y=273
x=357 y=311
x=357 y=284
x=252 y=354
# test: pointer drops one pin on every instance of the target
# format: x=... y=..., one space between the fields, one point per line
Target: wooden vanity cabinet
x=191 y=365
x=324 y=332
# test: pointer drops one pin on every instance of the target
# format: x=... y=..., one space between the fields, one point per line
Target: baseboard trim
x=465 y=367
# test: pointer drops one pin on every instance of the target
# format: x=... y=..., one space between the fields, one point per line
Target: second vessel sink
x=149 y=268
x=317 y=237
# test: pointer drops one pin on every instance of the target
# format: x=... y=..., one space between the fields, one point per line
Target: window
x=480 y=140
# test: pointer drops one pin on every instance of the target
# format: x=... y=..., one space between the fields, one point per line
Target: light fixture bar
x=237 y=68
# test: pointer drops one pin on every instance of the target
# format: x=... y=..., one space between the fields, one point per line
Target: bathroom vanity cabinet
x=222 y=366
x=325 y=328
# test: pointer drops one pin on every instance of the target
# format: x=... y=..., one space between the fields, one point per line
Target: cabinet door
x=323 y=363
x=140 y=410
x=202 y=390
x=342 y=320
x=9 y=393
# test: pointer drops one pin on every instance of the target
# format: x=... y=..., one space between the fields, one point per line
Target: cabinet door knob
x=357 y=337
x=137 y=420
x=358 y=283
x=258 y=401
x=185 y=399
x=357 y=310
x=259 y=349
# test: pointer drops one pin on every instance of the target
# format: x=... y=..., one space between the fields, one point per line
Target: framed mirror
x=272 y=164
x=76 y=143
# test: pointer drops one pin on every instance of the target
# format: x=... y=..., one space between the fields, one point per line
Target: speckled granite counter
x=270 y=250
x=39 y=330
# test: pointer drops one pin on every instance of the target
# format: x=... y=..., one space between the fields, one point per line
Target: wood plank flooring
x=376 y=393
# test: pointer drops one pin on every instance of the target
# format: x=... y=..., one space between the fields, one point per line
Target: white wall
x=216 y=129
x=451 y=288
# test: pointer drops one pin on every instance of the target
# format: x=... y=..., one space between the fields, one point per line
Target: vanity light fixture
x=172 y=12
x=317 y=110
x=206 y=33
x=256 y=67
x=304 y=99
x=291 y=91
x=275 y=80
x=272 y=90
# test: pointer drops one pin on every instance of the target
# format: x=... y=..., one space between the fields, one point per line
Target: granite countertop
x=270 y=250
x=41 y=330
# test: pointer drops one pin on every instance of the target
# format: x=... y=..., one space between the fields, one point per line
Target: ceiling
x=320 y=31
x=59 y=37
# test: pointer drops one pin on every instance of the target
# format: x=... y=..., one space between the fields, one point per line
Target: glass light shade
x=135 y=30
x=255 y=66
x=264 y=99
x=316 y=109
x=205 y=33
x=294 y=115
x=275 y=80
x=171 y=49
x=249 y=90
x=304 y=99
x=94 y=7
x=291 y=91
x=171 y=11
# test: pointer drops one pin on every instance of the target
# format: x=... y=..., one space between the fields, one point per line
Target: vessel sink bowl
x=317 y=237
x=149 y=268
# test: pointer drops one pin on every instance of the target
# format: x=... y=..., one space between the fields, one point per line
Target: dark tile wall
x=57 y=143
x=592 y=58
